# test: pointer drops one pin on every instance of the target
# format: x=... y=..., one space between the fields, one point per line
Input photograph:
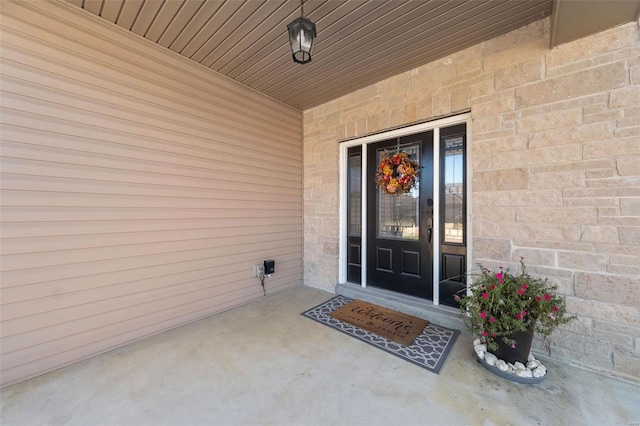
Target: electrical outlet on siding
x=258 y=270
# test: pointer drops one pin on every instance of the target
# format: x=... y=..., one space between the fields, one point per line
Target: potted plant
x=505 y=309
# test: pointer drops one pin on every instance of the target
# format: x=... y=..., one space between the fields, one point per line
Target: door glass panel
x=355 y=194
x=398 y=215
x=453 y=190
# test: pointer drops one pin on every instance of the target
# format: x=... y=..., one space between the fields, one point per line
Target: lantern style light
x=301 y=34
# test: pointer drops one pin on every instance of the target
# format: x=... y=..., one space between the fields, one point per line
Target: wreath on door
x=397 y=174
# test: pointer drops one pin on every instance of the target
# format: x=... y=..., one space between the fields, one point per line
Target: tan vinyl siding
x=138 y=189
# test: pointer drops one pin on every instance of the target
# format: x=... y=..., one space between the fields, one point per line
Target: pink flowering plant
x=500 y=303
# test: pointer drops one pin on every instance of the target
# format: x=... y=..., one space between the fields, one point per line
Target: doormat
x=392 y=325
x=429 y=350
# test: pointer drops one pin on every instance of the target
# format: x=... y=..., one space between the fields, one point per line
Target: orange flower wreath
x=396 y=174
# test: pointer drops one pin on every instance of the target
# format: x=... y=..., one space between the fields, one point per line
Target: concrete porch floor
x=265 y=364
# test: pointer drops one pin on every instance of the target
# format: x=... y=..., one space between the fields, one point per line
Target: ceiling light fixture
x=301 y=34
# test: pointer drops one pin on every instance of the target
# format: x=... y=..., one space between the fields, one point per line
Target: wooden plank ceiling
x=359 y=42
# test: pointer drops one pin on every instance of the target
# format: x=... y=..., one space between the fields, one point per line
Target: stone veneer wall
x=555 y=151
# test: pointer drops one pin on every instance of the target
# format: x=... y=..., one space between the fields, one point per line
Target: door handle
x=429 y=224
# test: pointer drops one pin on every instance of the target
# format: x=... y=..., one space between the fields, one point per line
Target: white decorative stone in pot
x=480 y=347
x=490 y=358
x=539 y=372
x=501 y=365
x=533 y=373
x=524 y=373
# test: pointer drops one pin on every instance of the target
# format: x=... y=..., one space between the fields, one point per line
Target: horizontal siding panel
x=56 y=282
x=38 y=246
x=15 y=182
x=85 y=317
x=117 y=286
x=119 y=140
x=88 y=254
x=120 y=53
x=138 y=190
x=75 y=116
x=45 y=199
x=56 y=336
x=105 y=165
x=28 y=215
x=160 y=296
x=19 y=79
x=49 y=357
x=24 y=229
x=141 y=123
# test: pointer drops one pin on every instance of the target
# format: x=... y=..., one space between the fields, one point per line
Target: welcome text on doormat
x=390 y=324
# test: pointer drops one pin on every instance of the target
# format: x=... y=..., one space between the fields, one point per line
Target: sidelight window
x=453 y=183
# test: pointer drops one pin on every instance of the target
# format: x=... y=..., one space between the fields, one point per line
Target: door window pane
x=355 y=194
x=398 y=215
x=454 y=189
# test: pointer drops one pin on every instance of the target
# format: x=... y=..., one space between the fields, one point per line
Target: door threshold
x=445 y=316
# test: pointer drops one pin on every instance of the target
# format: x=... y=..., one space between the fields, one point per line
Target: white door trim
x=364 y=141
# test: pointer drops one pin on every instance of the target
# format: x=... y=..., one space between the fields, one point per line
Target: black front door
x=399 y=231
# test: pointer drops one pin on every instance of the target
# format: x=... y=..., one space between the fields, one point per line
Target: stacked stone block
x=555 y=154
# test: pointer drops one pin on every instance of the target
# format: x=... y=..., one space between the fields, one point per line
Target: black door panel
x=400 y=251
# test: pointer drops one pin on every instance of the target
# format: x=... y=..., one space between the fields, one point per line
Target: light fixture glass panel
x=295 y=44
x=307 y=39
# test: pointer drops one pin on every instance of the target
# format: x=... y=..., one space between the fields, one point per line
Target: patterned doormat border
x=429 y=350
